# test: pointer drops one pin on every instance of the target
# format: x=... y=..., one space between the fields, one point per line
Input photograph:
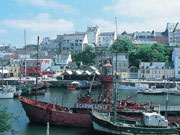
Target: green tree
x=149 y=53
x=122 y=46
x=86 y=57
x=6 y=120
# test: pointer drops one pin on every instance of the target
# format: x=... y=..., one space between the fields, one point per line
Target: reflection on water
x=68 y=98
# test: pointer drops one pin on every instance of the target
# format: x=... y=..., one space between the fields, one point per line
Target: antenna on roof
x=116 y=28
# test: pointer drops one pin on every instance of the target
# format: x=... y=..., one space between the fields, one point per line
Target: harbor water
x=68 y=98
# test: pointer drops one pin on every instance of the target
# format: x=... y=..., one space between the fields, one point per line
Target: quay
x=60 y=83
x=53 y=82
x=158 y=83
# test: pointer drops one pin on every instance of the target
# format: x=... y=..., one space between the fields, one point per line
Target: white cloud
x=48 y=4
x=145 y=8
x=136 y=15
x=41 y=23
x=106 y=25
x=3 y=31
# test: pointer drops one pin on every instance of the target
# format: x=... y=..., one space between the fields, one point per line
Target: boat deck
x=169 y=108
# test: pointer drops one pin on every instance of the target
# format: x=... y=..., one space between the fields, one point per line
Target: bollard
x=47 y=133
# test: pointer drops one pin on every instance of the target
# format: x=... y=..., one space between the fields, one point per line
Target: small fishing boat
x=152 y=123
x=30 y=89
x=73 y=85
x=5 y=92
x=158 y=91
x=138 y=86
x=84 y=85
x=151 y=92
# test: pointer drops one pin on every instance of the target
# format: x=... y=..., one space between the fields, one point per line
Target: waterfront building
x=74 y=43
x=176 y=61
x=140 y=38
x=14 y=67
x=5 y=72
x=92 y=34
x=125 y=35
x=7 y=48
x=156 y=70
x=122 y=64
x=161 y=37
x=31 y=66
x=53 y=46
x=30 y=47
x=102 y=58
x=144 y=36
x=8 y=55
x=173 y=30
x=107 y=38
x=63 y=60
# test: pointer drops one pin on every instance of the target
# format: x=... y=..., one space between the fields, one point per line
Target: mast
x=2 y=73
x=25 y=51
x=37 y=68
x=167 y=100
x=92 y=82
x=115 y=93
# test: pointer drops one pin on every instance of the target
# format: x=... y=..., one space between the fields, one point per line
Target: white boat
x=138 y=86
x=9 y=91
x=160 y=91
x=6 y=94
x=151 y=91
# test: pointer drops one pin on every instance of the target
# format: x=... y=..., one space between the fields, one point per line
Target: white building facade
x=156 y=70
x=107 y=38
x=92 y=34
x=74 y=43
x=176 y=60
x=143 y=37
x=173 y=34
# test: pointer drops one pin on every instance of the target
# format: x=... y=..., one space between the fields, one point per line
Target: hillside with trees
x=140 y=53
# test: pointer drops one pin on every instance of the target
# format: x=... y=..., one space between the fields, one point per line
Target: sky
x=48 y=18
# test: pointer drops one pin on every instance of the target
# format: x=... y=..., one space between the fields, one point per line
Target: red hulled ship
x=42 y=112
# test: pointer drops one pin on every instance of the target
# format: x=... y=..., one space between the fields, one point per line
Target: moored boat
x=151 y=92
x=43 y=112
x=29 y=89
x=6 y=94
x=138 y=86
x=152 y=123
x=73 y=85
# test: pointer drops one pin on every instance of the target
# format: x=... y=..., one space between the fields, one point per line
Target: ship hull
x=42 y=112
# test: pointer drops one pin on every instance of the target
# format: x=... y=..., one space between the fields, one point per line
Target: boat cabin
x=154 y=120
